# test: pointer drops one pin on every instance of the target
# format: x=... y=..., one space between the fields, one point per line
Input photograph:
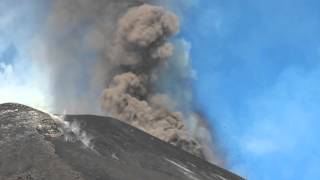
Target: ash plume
x=108 y=57
x=141 y=45
x=142 y=36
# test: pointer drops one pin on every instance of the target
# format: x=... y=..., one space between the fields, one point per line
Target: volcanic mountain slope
x=38 y=146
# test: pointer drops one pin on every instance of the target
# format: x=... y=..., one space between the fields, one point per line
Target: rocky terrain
x=37 y=146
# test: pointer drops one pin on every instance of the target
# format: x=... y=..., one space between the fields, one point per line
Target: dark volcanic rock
x=35 y=146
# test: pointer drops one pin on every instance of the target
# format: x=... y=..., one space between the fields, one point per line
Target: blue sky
x=258 y=73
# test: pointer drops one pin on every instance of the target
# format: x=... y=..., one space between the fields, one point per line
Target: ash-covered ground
x=37 y=146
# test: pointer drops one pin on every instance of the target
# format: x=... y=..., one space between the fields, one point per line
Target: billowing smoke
x=141 y=37
x=113 y=57
x=140 y=45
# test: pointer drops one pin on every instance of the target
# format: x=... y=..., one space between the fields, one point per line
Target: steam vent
x=38 y=146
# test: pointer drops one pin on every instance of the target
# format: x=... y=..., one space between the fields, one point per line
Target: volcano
x=37 y=146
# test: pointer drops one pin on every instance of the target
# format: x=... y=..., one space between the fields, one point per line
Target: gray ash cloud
x=110 y=57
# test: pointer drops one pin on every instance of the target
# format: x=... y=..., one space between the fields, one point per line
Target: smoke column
x=120 y=58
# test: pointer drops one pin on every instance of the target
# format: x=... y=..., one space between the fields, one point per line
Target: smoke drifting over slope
x=108 y=57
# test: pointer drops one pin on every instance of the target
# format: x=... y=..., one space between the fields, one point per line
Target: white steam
x=72 y=131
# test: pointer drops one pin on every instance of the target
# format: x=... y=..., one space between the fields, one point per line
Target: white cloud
x=23 y=87
x=20 y=80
